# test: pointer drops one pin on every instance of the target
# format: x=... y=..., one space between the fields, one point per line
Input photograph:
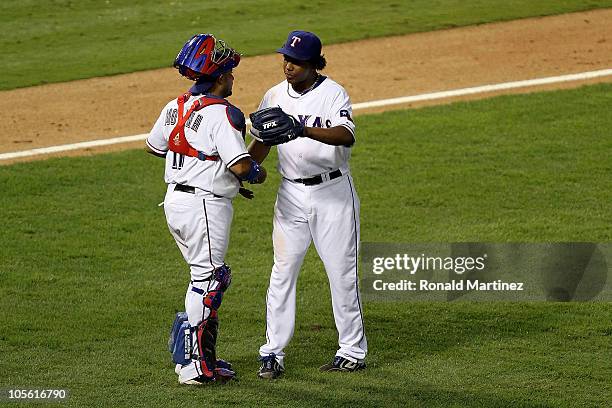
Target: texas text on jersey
x=327 y=105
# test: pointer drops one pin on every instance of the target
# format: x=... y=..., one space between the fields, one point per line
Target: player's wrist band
x=254 y=172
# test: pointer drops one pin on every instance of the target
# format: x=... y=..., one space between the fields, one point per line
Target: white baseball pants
x=200 y=224
x=327 y=214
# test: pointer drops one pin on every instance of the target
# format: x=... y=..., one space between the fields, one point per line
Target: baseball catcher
x=272 y=126
x=201 y=136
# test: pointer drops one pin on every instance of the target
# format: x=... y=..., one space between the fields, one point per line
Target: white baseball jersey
x=326 y=105
x=210 y=130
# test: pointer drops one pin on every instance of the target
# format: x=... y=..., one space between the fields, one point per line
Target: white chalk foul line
x=73 y=146
x=363 y=105
x=484 y=88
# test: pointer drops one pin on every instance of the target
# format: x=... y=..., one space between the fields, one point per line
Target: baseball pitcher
x=308 y=116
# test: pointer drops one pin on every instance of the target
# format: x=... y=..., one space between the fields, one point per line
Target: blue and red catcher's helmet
x=205 y=55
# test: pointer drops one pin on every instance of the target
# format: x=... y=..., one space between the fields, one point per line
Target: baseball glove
x=272 y=126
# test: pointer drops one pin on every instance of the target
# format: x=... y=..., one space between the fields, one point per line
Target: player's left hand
x=272 y=126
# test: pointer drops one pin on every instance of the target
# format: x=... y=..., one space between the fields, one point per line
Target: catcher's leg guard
x=179 y=343
x=221 y=280
x=206 y=343
x=206 y=332
x=174 y=331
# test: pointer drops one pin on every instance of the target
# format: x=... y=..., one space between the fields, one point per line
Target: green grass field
x=90 y=277
x=62 y=40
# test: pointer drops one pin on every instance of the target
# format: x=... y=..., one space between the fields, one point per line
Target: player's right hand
x=262 y=176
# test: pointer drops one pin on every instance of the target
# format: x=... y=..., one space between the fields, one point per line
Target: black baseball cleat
x=223 y=364
x=200 y=380
x=221 y=376
x=220 y=364
x=270 y=367
x=343 y=364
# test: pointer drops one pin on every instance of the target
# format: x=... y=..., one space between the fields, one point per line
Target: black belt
x=313 y=181
x=184 y=188
x=190 y=190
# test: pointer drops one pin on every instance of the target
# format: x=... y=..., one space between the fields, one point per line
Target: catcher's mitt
x=272 y=126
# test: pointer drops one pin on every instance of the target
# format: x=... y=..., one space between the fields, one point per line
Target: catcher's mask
x=204 y=55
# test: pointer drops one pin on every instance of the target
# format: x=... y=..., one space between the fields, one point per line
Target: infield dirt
x=372 y=69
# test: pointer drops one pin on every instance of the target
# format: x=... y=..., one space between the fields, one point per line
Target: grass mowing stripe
x=90 y=276
x=74 y=40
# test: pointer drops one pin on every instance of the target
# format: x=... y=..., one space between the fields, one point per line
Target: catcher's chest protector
x=177 y=142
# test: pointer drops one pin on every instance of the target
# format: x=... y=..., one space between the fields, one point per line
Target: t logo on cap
x=302 y=45
x=295 y=40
